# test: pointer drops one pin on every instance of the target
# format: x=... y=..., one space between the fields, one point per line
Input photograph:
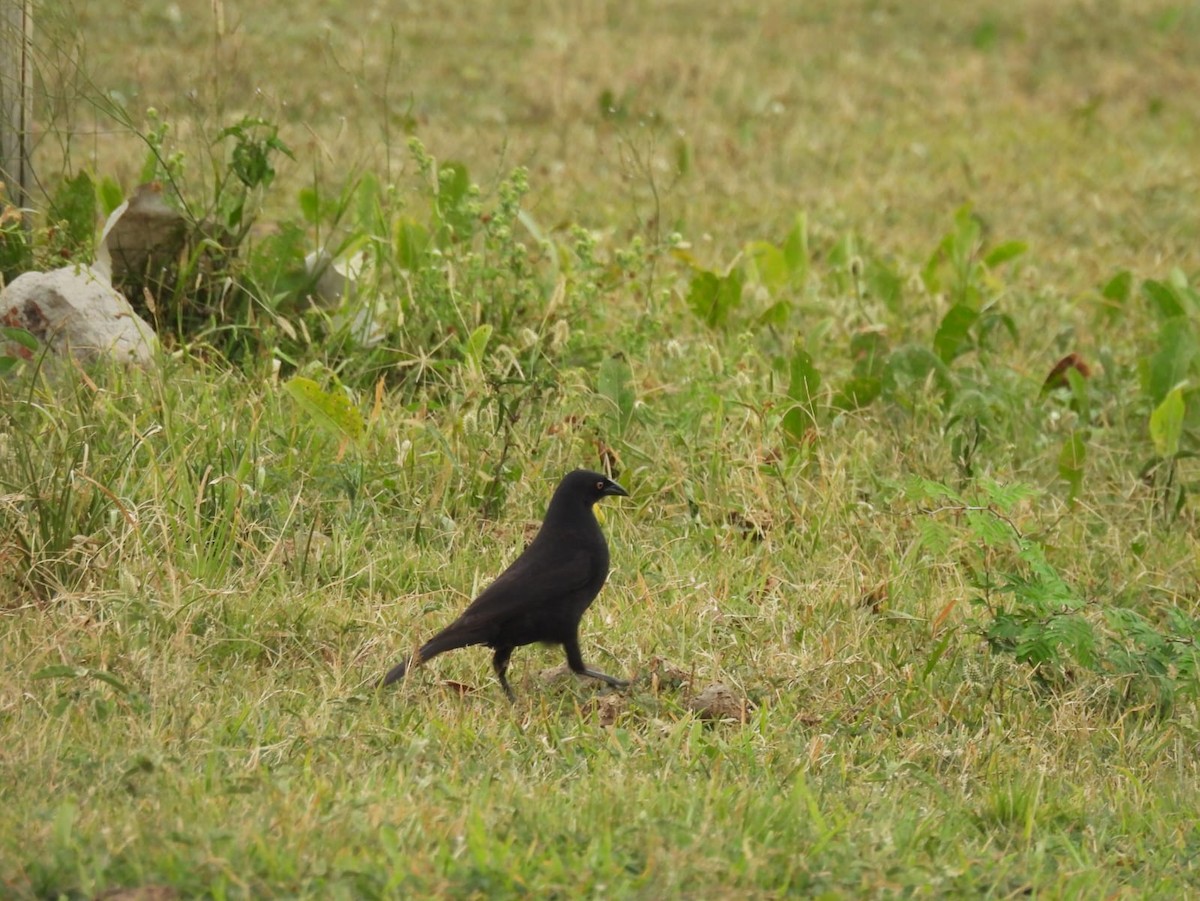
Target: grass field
x=796 y=273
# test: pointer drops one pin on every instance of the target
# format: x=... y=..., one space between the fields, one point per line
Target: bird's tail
x=395 y=674
x=446 y=640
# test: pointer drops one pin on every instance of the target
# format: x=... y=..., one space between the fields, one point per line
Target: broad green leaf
x=805 y=380
x=702 y=296
x=1178 y=280
x=802 y=388
x=730 y=295
x=20 y=336
x=883 y=283
x=331 y=411
x=797 y=422
x=858 y=392
x=1164 y=299
x=768 y=265
x=868 y=349
x=234 y=216
x=795 y=246
x=776 y=314
x=476 y=345
x=1187 y=295
x=954 y=334
x=309 y=200
x=994 y=321
x=1003 y=253
x=1173 y=360
x=1166 y=424
x=1119 y=288
x=713 y=297
x=911 y=365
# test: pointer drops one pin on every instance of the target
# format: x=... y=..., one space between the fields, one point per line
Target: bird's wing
x=533 y=580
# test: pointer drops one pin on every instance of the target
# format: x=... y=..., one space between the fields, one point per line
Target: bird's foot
x=604 y=677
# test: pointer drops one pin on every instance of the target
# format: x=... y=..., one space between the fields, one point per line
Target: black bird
x=542 y=596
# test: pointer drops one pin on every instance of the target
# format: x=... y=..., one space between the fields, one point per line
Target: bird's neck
x=570 y=517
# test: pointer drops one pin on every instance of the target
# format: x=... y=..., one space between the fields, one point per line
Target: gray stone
x=142 y=242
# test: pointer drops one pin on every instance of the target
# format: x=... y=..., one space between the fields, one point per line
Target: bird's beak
x=612 y=488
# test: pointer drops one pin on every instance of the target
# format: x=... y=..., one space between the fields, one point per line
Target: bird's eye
x=599 y=486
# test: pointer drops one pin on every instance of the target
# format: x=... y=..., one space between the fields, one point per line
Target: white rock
x=337 y=285
x=76 y=310
x=335 y=278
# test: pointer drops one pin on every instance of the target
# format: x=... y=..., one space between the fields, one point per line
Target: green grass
x=201 y=579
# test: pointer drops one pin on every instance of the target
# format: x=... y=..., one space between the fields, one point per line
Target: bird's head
x=590 y=486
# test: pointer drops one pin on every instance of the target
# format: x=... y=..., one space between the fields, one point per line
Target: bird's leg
x=500 y=665
x=575 y=662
